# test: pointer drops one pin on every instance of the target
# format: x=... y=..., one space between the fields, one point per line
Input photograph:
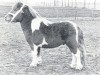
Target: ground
x=15 y=59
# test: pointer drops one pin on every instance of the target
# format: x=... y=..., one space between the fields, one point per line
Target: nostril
x=7 y=18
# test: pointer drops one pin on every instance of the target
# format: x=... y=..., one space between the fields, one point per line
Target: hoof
x=72 y=65
x=33 y=64
x=36 y=62
x=79 y=67
x=39 y=59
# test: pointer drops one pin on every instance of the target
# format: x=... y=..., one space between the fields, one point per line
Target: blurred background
x=71 y=9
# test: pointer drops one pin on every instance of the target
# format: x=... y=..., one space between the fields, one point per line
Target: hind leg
x=79 y=65
x=73 y=48
x=73 y=62
x=76 y=54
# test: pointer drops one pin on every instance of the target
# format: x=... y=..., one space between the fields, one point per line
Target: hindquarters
x=73 y=37
x=75 y=42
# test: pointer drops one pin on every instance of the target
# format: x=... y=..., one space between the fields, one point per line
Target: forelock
x=17 y=6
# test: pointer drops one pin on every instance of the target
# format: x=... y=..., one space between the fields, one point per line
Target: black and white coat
x=41 y=33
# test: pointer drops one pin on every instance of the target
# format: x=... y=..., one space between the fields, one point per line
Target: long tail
x=82 y=46
x=83 y=51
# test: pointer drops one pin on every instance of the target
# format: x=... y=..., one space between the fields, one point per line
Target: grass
x=15 y=59
x=14 y=50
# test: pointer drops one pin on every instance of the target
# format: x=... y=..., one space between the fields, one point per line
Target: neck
x=26 y=23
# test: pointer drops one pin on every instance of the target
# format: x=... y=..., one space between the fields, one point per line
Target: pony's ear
x=25 y=9
x=29 y=11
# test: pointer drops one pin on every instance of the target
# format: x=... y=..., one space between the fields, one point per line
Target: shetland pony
x=41 y=33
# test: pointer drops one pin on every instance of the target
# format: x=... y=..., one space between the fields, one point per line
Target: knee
x=74 y=51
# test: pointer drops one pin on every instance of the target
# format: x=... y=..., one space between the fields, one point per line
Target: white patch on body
x=46 y=22
x=36 y=23
x=43 y=43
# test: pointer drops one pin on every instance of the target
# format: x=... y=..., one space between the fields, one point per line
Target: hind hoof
x=79 y=67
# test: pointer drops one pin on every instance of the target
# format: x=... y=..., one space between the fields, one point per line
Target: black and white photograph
x=49 y=37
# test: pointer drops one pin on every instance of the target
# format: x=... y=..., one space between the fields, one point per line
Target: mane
x=33 y=12
x=37 y=15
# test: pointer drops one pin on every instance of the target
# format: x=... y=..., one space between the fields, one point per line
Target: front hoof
x=79 y=67
x=72 y=65
x=39 y=60
x=33 y=64
x=36 y=62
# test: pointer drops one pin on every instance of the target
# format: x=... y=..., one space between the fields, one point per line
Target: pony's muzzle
x=8 y=17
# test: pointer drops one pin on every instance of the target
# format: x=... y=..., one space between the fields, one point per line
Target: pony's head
x=19 y=12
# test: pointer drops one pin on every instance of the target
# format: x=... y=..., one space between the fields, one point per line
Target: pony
x=42 y=33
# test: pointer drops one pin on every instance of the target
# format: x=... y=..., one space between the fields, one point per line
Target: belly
x=53 y=42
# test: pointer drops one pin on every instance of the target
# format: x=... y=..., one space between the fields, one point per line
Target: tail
x=82 y=46
x=83 y=53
